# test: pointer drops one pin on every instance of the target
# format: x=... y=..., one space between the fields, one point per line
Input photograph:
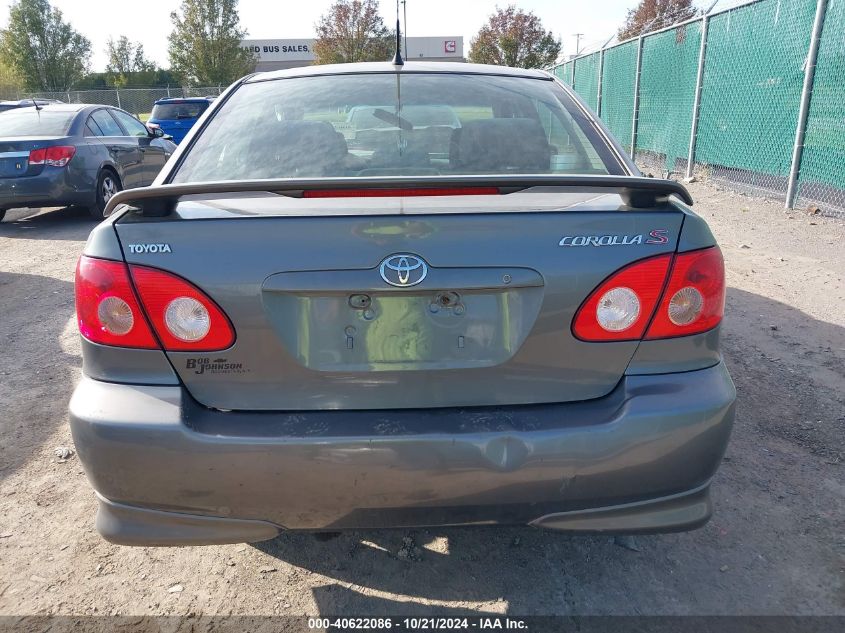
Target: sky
x=148 y=21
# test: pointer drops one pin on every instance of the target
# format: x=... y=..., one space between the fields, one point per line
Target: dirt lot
x=775 y=546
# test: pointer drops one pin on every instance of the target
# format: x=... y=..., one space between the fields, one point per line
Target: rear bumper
x=171 y=472
x=53 y=187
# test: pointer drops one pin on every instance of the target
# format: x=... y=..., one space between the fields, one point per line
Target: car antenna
x=397 y=56
x=35 y=103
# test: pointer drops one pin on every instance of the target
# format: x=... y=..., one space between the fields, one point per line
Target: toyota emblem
x=403 y=270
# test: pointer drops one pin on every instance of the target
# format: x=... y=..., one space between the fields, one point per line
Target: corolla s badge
x=403 y=270
x=657 y=236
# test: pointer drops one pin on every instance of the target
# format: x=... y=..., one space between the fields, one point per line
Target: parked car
x=430 y=126
x=283 y=334
x=25 y=103
x=177 y=116
x=75 y=154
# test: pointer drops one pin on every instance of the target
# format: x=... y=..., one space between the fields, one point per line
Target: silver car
x=300 y=327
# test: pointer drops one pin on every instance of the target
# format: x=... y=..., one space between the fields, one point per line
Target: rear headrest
x=305 y=148
x=497 y=145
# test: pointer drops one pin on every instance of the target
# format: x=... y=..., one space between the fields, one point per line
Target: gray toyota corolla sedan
x=75 y=154
x=480 y=314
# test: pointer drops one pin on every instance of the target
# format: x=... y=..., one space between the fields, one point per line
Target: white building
x=278 y=54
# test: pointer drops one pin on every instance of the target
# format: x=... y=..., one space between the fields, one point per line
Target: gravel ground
x=775 y=545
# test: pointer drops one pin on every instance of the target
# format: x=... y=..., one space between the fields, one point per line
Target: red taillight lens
x=36 y=156
x=55 y=156
x=109 y=313
x=694 y=300
x=395 y=193
x=59 y=155
x=621 y=307
x=106 y=308
x=184 y=318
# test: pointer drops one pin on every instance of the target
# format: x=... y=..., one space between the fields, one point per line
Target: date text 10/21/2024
x=419 y=623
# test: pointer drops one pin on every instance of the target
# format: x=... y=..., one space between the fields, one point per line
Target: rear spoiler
x=636 y=191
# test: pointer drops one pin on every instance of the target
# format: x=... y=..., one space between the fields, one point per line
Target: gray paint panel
x=686 y=353
x=125 y=525
x=118 y=364
x=695 y=233
x=102 y=241
x=231 y=260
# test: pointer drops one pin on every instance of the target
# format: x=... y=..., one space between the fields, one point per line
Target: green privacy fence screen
x=667 y=92
x=587 y=78
x=753 y=75
x=617 y=90
x=749 y=66
x=823 y=162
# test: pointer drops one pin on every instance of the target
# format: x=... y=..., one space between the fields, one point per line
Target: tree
x=352 y=31
x=41 y=48
x=125 y=58
x=650 y=15
x=205 y=45
x=512 y=37
x=10 y=82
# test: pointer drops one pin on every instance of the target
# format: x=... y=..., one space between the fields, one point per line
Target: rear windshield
x=414 y=124
x=366 y=117
x=174 y=111
x=32 y=122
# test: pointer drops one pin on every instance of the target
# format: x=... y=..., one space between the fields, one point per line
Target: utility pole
x=577 y=37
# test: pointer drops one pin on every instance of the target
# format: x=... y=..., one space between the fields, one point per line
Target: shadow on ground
x=66 y=223
x=37 y=374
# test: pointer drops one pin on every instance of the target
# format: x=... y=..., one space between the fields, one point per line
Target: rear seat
x=307 y=148
x=500 y=145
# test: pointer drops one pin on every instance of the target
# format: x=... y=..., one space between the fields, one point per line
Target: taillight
x=184 y=318
x=400 y=192
x=54 y=156
x=621 y=307
x=106 y=308
x=36 y=156
x=694 y=299
x=638 y=302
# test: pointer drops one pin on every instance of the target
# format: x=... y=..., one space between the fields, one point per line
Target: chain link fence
x=587 y=78
x=619 y=70
x=823 y=162
x=138 y=101
x=667 y=93
x=725 y=91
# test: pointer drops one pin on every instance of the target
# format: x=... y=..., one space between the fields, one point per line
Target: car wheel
x=108 y=184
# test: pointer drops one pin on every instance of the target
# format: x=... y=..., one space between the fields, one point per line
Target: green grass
x=472 y=113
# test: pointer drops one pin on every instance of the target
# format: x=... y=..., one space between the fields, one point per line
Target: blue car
x=176 y=116
x=62 y=154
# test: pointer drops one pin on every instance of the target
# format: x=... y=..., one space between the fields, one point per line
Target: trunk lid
x=14 y=154
x=309 y=287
